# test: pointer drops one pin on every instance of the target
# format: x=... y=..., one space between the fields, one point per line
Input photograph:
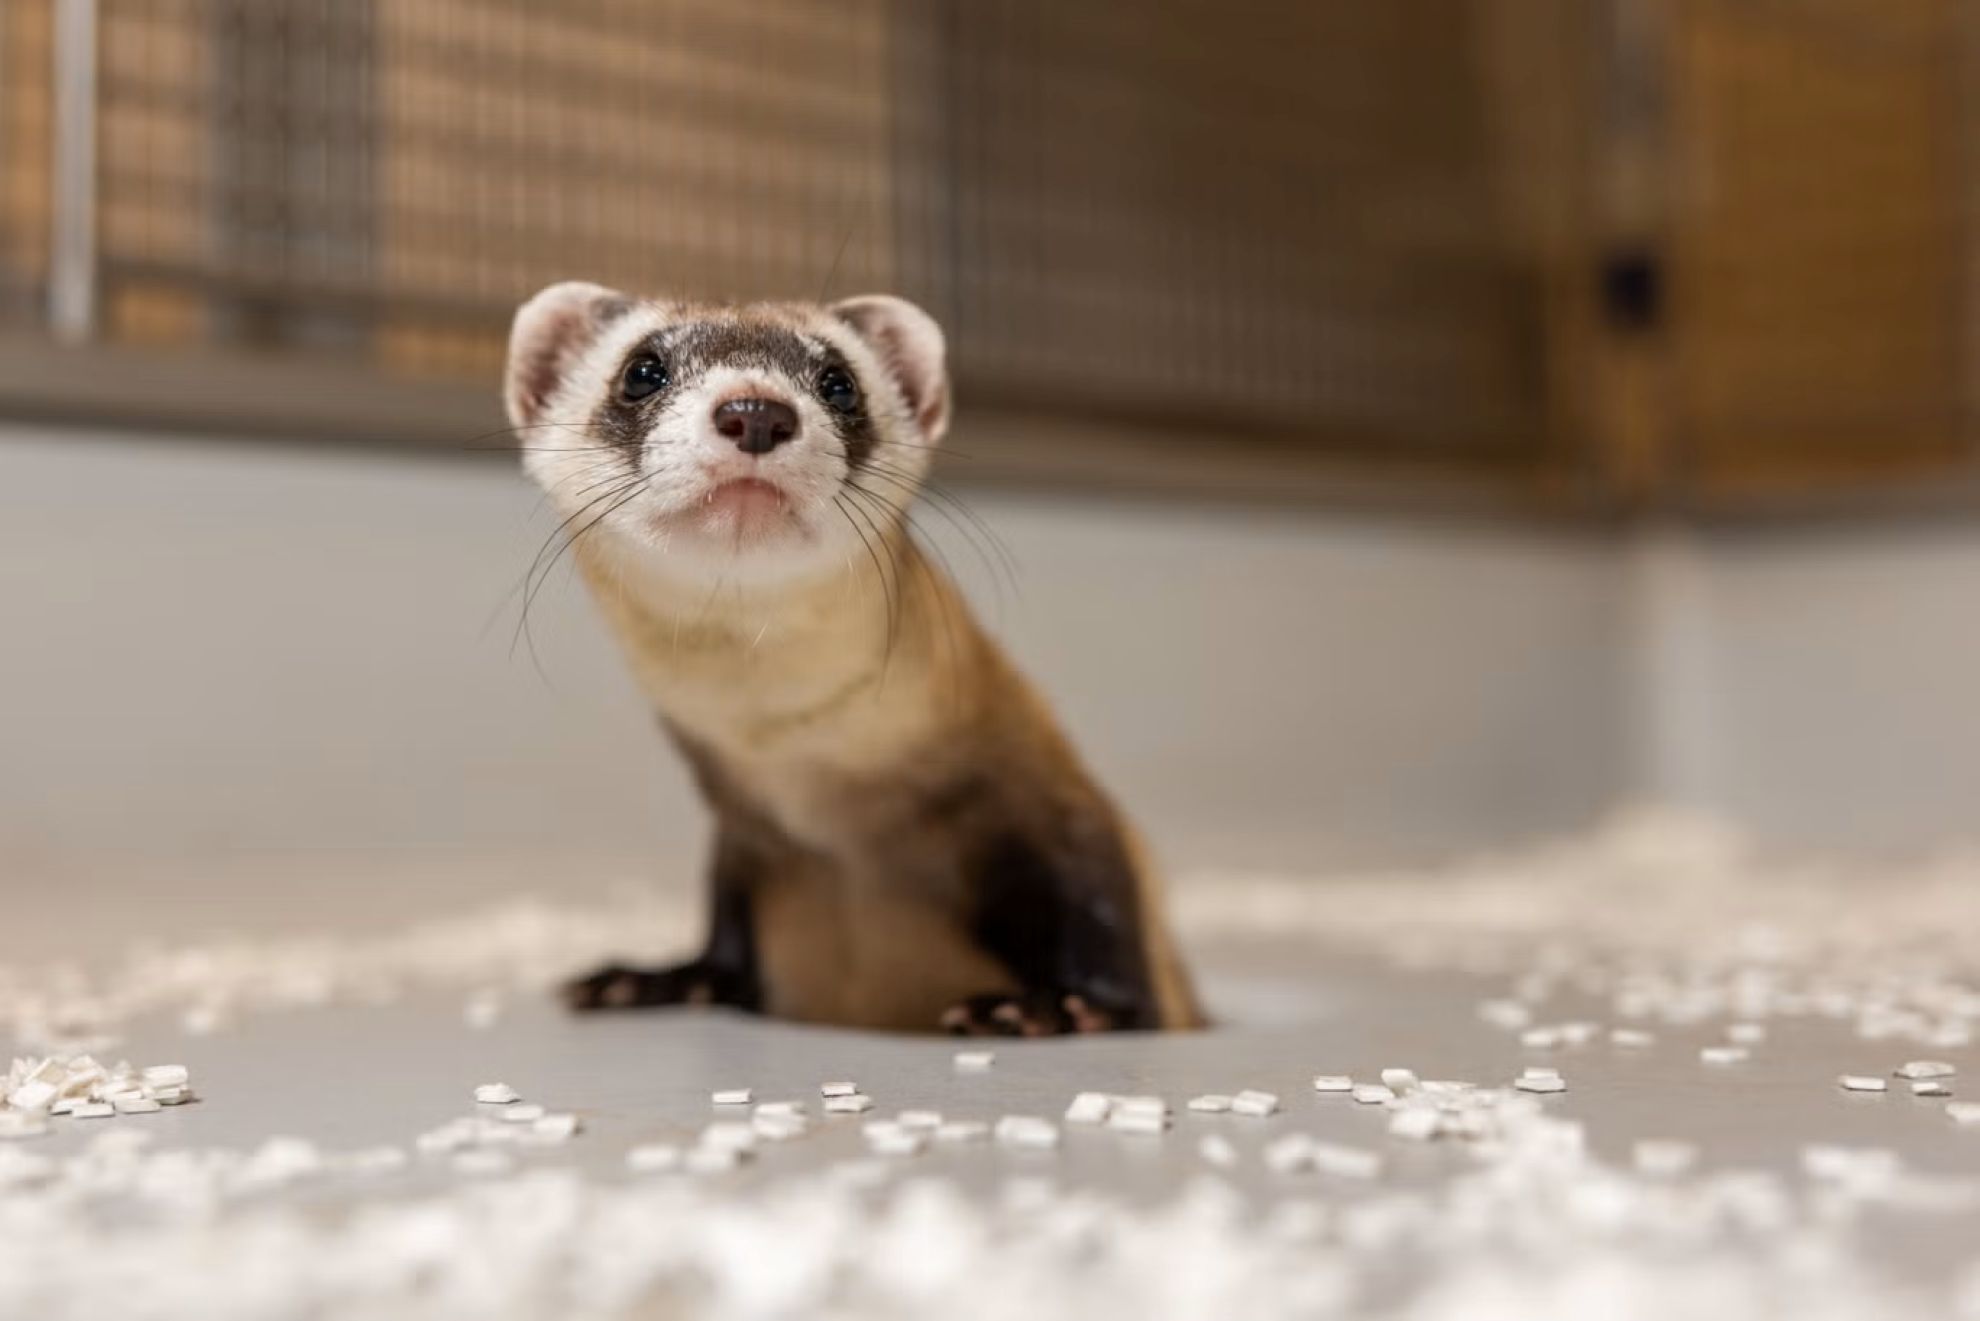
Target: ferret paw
x=617 y=986
x=1026 y=1014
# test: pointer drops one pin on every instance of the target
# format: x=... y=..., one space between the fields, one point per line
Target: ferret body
x=903 y=837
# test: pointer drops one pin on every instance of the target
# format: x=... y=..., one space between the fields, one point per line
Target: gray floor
x=352 y=1077
x=346 y=1078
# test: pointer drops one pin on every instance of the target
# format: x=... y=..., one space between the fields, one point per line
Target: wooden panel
x=1817 y=243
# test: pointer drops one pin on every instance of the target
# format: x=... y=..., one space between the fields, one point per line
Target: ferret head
x=751 y=441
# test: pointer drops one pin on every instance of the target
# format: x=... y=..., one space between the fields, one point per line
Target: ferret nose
x=756 y=425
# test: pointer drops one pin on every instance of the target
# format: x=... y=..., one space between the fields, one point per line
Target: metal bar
x=72 y=282
x=6 y=138
x=1968 y=173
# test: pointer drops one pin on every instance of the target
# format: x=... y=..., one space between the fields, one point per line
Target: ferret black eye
x=644 y=375
x=838 y=389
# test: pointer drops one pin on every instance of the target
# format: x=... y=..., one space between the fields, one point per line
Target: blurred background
x=1419 y=427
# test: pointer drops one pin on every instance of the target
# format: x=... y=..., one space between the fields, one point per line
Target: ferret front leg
x=1067 y=924
x=725 y=973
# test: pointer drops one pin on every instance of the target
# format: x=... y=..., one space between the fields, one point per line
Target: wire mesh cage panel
x=1244 y=215
x=1823 y=238
x=396 y=177
x=1279 y=220
x=1413 y=236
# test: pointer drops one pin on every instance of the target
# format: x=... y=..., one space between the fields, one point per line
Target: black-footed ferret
x=903 y=837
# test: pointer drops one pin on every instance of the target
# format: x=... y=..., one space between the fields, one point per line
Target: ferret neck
x=753 y=608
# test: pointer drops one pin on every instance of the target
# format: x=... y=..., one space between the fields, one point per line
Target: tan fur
x=800 y=695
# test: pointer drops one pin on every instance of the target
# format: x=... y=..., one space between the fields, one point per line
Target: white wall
x=269 y=686
x=1825 y=680
x=1309 y=690
x=268 y=678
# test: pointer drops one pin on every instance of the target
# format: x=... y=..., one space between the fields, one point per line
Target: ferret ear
x=551 y=332
x=909 y=343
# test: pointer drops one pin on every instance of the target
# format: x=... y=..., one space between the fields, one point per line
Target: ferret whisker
x=961 y=506
x=568 y=449
x=542 y=498
x=616 y=474
x=531 y=584
x=708 y=603
x=889 y=511
x=626 y=496
x=889 y=590
x=832 y=272
x=879 y=570
x=1006 y=558
x=505 y=434
x=990 y=548
x=996 y=551
x=946 y=450
x=914 y=530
